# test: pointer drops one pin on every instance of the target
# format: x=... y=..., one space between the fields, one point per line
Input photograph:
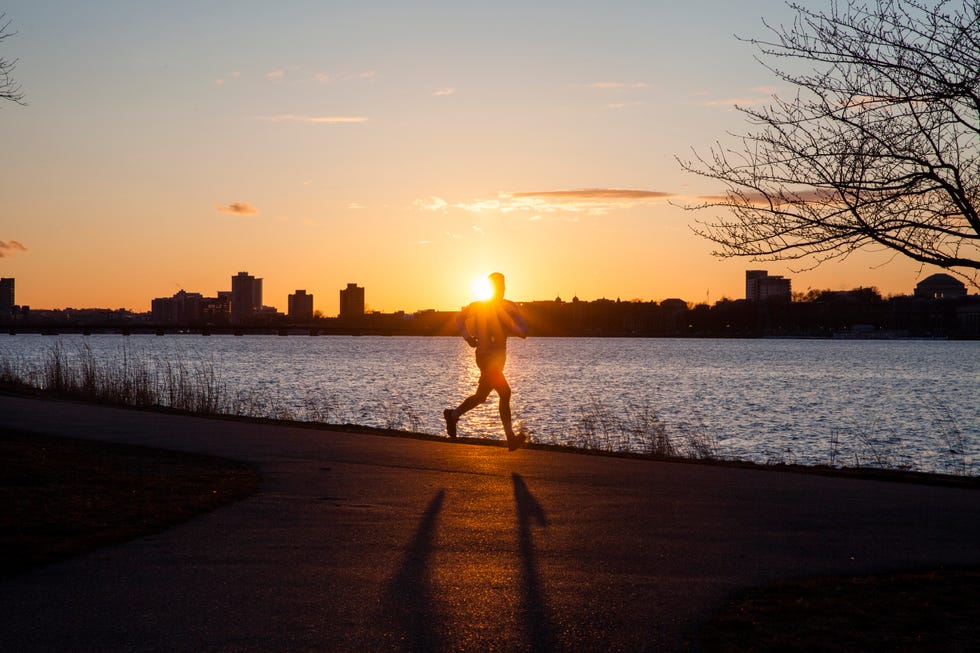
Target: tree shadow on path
x=415 y=622
x=533 y=606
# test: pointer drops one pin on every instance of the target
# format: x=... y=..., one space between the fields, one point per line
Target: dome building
x=940 y=286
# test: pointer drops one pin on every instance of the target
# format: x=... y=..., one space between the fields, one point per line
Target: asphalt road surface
x=359 y=542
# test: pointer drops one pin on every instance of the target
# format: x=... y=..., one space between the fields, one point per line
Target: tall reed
x=638 y=427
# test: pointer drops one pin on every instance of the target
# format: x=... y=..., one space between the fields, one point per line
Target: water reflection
x=763 y=399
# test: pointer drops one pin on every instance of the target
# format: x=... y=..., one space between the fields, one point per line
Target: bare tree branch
x=9 y=89
x=879 y=147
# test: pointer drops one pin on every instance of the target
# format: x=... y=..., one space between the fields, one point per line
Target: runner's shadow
x=414 y=622
x=533 y=604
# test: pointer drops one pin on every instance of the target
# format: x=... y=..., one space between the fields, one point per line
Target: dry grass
x=61 y=497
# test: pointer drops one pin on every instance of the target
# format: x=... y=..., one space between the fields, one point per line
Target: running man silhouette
x=492 y=321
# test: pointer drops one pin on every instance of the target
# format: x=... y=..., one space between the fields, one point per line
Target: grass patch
x=916 y=611
x=60 y=497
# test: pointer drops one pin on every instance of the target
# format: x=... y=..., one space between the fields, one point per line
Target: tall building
x=217 y=310
x=352 y=302
x=246 y=297
x=7 y=300
x=300 y=306
x=182 y=308
x=760 y=287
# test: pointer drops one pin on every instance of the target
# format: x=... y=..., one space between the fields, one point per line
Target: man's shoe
x=515 y=441
x=450 y=422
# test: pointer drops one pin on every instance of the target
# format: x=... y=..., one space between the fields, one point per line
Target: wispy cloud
x=315 y=120
x=10 y=247
x=432 y=203
x=326 y=77
x=234 y=75
x=445 y=91
x=237 y=208
x=597 y=193
x=484 y=205
x=618 y=85
x=787 y=197
x=298 y=75
x=591 y=201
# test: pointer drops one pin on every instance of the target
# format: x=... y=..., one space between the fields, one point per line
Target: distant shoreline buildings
x=8 y=299
x=240 y=306
x=246 y=298
x=760 y=287
x=352 y=302
x=300 y=306
x=939 y=307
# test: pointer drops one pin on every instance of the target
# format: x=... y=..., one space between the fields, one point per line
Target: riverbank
x=879 y=611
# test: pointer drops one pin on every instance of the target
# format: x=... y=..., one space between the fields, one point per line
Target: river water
x=897 y=403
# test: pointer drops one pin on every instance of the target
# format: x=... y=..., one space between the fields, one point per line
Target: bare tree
x=879 y=147
x=9 y=89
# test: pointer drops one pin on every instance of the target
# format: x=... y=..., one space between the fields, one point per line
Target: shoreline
x=371 y=332
x=863 y=473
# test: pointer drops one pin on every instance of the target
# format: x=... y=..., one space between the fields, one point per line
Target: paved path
x=365 y=543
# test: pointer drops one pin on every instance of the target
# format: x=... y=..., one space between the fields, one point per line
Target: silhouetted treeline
x=823 y=314
x=857 y=313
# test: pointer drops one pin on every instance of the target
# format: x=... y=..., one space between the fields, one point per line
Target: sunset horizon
x=161 y=149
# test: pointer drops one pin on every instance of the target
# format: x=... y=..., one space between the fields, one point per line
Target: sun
x=481 y=288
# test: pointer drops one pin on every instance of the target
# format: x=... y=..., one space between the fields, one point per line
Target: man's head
x=497 y=281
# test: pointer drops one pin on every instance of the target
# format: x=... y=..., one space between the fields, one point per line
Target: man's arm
x=461 y=319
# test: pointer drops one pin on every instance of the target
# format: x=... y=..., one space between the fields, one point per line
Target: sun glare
x=482 y=288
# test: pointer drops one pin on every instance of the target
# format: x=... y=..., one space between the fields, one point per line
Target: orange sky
x=407 y=151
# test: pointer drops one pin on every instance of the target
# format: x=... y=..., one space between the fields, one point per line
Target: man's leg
x=483 y=389
x=482 y=392
x=500 y=384
x=503 y=395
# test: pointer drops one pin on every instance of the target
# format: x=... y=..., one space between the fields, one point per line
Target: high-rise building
x=352 y=302
x=300 y=306
x=246 y=297
x=183 y=308
x=7 y=299
x=760 y=287
x=217 y=310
